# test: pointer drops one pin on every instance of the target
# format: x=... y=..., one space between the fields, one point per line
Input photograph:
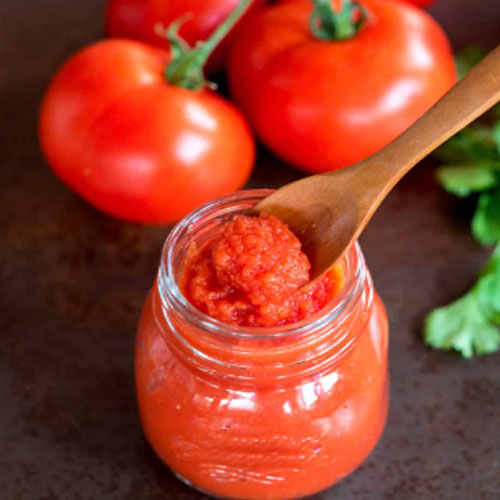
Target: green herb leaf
x=468 y=57
x=486 y=220
x=496 y=135
x=462 y=326
x=493 y=264
x=488 y=287
x=471 y=324
x=474 y=143
x=488 y=296
x=495 y=112
x=464 y=179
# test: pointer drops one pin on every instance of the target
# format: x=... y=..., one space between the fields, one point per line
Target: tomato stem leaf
x=186 y=67
x=328 y=24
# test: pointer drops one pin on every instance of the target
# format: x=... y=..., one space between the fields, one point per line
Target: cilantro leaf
x=493 y=264
x=488 y=296
x=462 y=326
x=486 y=219
x=468 y=57
x=495 y=112
x=464 y=179
x=496 y=135
x=488 y=287
x=471 y=324
x=473 y=143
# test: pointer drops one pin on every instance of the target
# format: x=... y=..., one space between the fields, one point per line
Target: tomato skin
x=420 y=3
x=136 y=19
x=134 y=146
x=325 y=105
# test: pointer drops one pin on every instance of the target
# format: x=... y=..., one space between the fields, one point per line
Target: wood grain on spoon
x=329 y=211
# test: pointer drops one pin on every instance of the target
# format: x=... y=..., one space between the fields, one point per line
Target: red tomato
x=134 y=146
x=323 y=105
x=137 y=18
x=420 y=3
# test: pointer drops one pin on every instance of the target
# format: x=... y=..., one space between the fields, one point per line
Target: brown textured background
x=72 y=282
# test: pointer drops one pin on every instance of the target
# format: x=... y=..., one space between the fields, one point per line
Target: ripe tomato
x=134 y=146
x=322 y=104
x=137 y=18
x=420 y=3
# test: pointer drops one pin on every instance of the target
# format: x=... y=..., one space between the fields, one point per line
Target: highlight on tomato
x=142 y=20
x=138 y=133
x=325 y=84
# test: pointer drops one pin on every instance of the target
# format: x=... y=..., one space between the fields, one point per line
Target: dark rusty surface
x=72 y=282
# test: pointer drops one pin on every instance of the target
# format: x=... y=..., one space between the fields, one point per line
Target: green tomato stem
x=327 y=24
x=186 y=67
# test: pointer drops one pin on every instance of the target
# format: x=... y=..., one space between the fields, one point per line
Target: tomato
x=135 y=146
x=137 y=19
x=420 y=3
x=323 y=105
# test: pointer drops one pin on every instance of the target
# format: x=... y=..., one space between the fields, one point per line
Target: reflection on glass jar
x=254 y=413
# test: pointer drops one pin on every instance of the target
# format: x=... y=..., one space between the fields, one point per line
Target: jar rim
x=170 y=293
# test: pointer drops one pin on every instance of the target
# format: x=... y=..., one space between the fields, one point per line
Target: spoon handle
x=478 y=91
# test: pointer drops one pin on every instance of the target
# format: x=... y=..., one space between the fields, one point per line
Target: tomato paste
x=254 y=274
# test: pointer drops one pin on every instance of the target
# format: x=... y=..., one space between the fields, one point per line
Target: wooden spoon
x=328 y=211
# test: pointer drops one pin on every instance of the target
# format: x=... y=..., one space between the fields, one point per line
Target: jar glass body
x=252 y=413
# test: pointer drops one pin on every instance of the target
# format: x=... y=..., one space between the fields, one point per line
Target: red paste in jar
x=255 y=274
x=259 y=417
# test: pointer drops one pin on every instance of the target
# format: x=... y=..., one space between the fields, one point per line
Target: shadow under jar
x=260 y=413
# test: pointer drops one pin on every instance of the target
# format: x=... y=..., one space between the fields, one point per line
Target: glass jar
x=260 y=413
